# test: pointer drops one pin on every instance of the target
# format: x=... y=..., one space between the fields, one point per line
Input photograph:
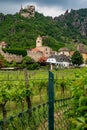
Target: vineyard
x=23 y=90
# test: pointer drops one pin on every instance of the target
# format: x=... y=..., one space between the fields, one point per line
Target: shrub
x=17 y=51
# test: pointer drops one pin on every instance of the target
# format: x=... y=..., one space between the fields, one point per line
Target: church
x=39 y=51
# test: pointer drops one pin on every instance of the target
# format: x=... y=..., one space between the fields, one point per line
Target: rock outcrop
x=77 y=19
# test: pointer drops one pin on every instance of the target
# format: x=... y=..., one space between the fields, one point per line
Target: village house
x=79 y=48
x=63 y=51
x=61 y=61
x=83 y=52
x=3 y=44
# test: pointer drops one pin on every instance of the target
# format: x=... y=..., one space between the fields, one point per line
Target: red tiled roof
x=35 y=49
x=63 y=49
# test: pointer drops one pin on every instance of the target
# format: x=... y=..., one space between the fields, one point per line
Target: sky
x=47 y=7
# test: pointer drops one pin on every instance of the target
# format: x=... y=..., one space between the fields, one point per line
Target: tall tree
x=77 y=58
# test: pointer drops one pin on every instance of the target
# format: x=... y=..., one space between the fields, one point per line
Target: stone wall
x=47 y=51
x=35 y=55
x=11 y=57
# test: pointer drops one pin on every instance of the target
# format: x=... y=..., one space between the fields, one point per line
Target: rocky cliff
x=76 y=19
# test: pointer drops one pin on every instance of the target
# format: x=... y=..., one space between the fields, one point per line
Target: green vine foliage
x=78 y=114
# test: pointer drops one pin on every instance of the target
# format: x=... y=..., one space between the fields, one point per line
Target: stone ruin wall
x=11 y=57
x=28 y=12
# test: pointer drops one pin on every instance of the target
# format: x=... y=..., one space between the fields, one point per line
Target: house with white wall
x=61 y=61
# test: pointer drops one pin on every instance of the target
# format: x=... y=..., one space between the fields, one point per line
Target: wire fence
x=37 y=117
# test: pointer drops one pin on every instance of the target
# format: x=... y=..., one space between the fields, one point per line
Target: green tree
x=26 y=61
x=77 y=58
x=29 y=63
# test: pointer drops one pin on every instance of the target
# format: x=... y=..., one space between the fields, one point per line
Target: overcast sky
x=47 y=7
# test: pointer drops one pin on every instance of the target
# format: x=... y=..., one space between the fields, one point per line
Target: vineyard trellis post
x=51 y=101
x=28 y=100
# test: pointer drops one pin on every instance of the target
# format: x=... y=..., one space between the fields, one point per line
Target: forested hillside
x=65 y=30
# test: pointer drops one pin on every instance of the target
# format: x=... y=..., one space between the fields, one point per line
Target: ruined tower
x=28 y=11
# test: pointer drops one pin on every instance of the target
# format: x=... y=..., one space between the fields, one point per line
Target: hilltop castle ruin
x=28 y=11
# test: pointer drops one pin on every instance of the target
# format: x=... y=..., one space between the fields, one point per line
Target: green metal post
x=51 y=101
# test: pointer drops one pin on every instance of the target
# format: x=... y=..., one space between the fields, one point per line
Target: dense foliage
x=78 y=114
x=77 y=58
x=29 y=63
x=16 y=51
